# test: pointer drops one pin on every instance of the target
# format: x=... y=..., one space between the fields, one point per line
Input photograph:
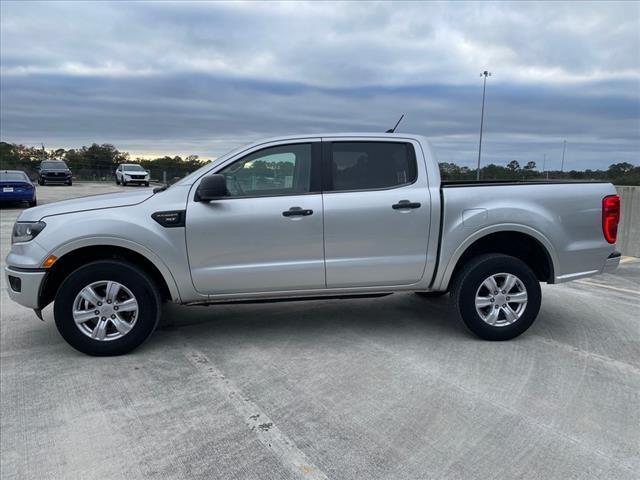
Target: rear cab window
x=370 y=165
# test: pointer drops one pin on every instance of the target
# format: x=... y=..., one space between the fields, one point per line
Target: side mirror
x=212 y=187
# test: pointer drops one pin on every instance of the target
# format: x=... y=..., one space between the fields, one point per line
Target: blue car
x=15 y=186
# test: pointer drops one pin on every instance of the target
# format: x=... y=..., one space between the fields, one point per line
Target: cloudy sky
x=202 y=78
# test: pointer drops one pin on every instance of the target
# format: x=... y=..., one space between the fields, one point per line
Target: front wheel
x=498 y=296
x=107 y=307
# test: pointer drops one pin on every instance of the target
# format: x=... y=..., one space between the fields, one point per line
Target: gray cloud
x=204 y=77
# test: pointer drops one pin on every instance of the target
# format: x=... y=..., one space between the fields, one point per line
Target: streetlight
x=484 y=74
x=564 y=148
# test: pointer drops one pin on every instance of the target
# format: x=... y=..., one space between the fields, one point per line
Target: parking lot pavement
x=391 y=388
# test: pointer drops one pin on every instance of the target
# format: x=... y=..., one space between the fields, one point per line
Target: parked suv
x=132 y=173
x=326 y=216
x=54 y=171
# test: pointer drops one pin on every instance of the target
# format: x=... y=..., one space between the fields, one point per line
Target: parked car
x=131 y=173
x=16 y=186
x=54 y=171
x=341 y=215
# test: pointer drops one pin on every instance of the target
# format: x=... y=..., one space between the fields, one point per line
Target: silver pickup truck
x=308 y=217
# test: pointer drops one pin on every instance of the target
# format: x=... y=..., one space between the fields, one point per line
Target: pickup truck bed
x=564 y=217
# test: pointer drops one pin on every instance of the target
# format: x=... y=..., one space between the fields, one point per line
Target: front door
x=266 y=236
x=376 y=213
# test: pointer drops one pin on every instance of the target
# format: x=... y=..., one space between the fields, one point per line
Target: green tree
x=513 y=166
x=529 y=169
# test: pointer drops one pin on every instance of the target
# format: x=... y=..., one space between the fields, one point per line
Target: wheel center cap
x=501 y=299
x=106 y=310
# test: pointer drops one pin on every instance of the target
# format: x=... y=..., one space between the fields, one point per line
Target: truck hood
x=93 y=202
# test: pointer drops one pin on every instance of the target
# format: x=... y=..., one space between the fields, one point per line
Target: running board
x=290 y=299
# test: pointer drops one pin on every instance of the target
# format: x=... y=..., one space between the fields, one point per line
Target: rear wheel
x=498 y=296
x=33 y=202
x=117 y=181
x=107 y=307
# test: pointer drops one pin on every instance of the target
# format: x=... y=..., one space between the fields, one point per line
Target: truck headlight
x=26 y=231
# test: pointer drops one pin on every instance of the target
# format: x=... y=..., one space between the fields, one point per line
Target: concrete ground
x=391 y=388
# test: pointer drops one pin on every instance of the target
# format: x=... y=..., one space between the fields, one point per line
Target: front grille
x=137 y=177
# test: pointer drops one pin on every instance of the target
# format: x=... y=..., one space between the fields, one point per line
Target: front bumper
x=23 y=285
x=612 y=262
x=56 y=178
x=136 y=180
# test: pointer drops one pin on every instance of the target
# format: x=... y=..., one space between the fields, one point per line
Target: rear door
x=376 y=212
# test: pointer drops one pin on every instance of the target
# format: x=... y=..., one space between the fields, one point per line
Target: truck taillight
x=610 y=217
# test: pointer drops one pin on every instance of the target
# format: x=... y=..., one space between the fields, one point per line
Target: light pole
x=484 y=74
x=564 y=148
x=544 y=166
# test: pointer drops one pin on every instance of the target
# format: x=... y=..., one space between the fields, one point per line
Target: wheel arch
x=519 y=241
x=76 y=254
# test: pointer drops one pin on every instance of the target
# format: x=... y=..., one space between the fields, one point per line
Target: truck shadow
x=402 y=311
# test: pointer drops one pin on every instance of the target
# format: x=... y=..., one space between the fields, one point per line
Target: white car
x=131 y=173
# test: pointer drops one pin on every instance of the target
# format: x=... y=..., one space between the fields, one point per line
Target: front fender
x=113 y=241
x=126 y=227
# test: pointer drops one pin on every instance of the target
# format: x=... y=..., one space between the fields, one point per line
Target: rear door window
x=370 y=165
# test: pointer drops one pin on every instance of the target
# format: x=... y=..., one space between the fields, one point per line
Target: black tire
x=124 y=184
x=70 y=183
x=471 y=277
x=431 y=294
x=117 y=181
x=131 y=277
x=33 y=203
x=42 y=181
x=146 y=184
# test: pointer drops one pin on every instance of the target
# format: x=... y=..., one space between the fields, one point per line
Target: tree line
x=98 y=162
x=622 y=173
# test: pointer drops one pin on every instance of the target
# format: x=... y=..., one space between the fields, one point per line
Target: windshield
x=13 y=177
x=132 y=168
x=54 y=166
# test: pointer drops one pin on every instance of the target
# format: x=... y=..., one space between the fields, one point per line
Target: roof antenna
x=393 y=130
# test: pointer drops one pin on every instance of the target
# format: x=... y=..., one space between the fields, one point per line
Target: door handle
x=403 y=204
x=297 y=212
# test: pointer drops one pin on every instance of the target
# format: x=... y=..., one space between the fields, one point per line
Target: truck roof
x=343 y=134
